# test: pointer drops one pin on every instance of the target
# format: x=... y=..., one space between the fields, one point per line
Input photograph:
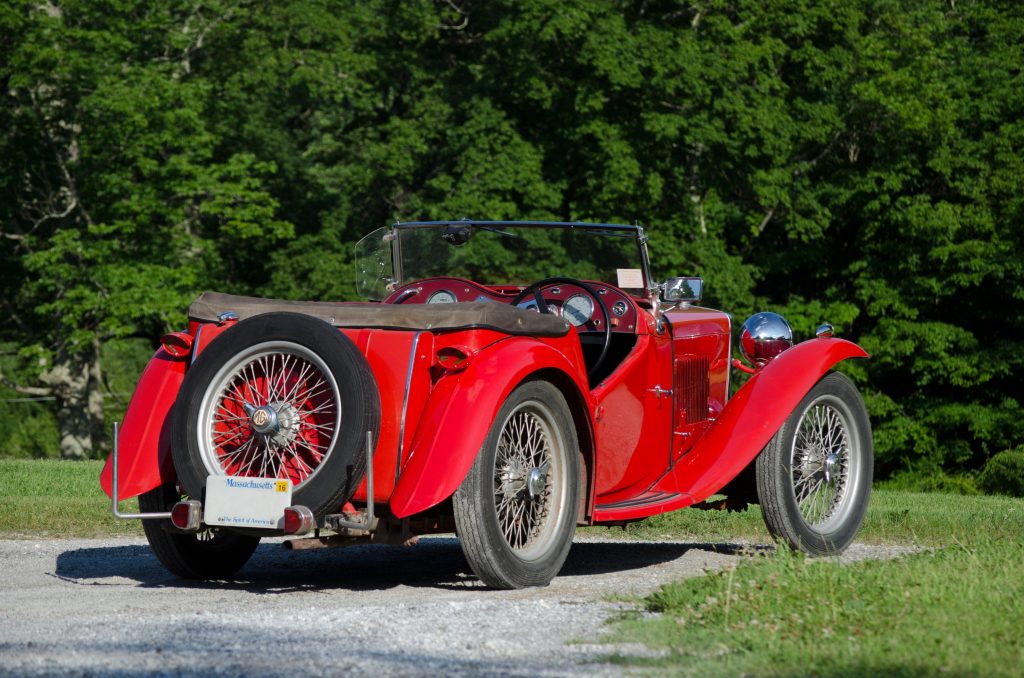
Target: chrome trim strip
x=114 y=500
x=405 y=404
x=728 y=362
x=195 y=344
x=396 y=257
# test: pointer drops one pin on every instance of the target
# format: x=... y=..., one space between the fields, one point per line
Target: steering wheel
x=542 y=306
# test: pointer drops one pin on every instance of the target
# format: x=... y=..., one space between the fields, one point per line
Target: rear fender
x=144 y=449
x=755 y=413
x=460 y=412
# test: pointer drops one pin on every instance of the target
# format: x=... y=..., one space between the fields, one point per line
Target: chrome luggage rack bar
x=114 y=500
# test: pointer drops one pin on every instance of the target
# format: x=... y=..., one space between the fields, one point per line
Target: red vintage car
x=468 y=398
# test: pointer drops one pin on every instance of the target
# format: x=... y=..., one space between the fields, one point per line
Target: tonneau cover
x=430 y=317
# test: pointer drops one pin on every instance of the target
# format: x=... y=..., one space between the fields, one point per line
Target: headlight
x=764 y=336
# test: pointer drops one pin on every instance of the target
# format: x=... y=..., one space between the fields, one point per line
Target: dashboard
x=566 y=300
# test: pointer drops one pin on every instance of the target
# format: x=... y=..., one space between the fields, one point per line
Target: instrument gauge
x=441 y=297
x=578 y=309
x=619 y=308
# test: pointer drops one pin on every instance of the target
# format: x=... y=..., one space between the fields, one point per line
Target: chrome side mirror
x=682 y=290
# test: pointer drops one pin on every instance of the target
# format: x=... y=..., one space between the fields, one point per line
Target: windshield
x=498 y=254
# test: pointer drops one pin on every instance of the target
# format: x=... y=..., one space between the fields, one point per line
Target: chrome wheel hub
x=262 y=419
x=278 y=422
x=537 y=481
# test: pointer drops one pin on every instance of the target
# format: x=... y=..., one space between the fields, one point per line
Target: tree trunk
x=74 y=382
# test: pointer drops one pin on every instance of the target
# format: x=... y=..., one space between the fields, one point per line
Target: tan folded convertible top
x=430 y=317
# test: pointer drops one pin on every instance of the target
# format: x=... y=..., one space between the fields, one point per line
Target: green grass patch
x=52 y=498
x=956 y=608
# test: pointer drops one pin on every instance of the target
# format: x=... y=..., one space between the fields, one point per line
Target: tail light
x=178 y=344
x=187 y=515
x=298 y=520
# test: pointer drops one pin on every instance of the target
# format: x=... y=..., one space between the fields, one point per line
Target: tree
x=116 y=208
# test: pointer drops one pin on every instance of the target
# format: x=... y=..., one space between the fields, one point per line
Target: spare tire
x=279 y=395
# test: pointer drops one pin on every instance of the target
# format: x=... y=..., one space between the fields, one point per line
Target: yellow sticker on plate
x=282 y=486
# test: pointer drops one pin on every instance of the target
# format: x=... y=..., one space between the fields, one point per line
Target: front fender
x=756 y=412
x=459 y=414
x=144 y=448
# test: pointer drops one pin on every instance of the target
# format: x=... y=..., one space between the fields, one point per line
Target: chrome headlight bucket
x=764 y=336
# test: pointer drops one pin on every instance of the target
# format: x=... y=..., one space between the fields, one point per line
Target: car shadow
x=435 y=562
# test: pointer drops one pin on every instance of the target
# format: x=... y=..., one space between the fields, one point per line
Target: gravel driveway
x=107 y=608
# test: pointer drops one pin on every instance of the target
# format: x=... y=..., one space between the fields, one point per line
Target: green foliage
x=860 y=163
x=1004 y=473
x=963 y=484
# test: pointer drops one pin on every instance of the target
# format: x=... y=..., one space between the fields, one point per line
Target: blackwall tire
x=516 y=510
x=212 y=553
x=814 y=476
x=279 y=395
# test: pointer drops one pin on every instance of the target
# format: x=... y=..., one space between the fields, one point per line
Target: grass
x=956 y=608
x=52 y=498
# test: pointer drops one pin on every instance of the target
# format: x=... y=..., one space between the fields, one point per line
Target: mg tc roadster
x=476 y=395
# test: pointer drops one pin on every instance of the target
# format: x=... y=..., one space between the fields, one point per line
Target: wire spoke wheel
x=821 y=462
x=814 y=476
x=525 y=482
x=271 y=412
x=515 y=512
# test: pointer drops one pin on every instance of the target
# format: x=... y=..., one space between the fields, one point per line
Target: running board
x=647 y=504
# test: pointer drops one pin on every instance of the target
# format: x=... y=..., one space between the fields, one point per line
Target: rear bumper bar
x=338 y=522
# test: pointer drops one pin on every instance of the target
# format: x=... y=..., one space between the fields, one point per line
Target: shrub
x=917 y=481
x=1004 y=473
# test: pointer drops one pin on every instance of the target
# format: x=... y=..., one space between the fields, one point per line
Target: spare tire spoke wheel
x=270 y=412
x=279 y=395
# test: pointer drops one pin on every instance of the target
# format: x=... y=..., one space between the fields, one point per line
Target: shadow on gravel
x=433 y=563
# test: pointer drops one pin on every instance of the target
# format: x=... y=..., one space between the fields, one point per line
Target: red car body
x=659 y=433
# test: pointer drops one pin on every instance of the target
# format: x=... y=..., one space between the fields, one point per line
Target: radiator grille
x=692 y=386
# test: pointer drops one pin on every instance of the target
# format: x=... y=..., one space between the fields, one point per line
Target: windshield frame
x=649 y=290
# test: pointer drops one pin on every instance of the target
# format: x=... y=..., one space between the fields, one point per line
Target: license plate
x=247 y=502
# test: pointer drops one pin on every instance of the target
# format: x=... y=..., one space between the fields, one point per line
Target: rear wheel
x=515 y=512
x=280 y=395
x=212 y=553
x=814 y=476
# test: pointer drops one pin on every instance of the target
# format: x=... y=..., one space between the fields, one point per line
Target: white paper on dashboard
x=630 y=278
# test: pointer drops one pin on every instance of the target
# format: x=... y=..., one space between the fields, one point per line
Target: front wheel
x=515 y=512
x=814 y=476
x=212 y=553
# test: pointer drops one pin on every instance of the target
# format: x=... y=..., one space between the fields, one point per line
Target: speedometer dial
x=577 y=309
x=441 y=297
